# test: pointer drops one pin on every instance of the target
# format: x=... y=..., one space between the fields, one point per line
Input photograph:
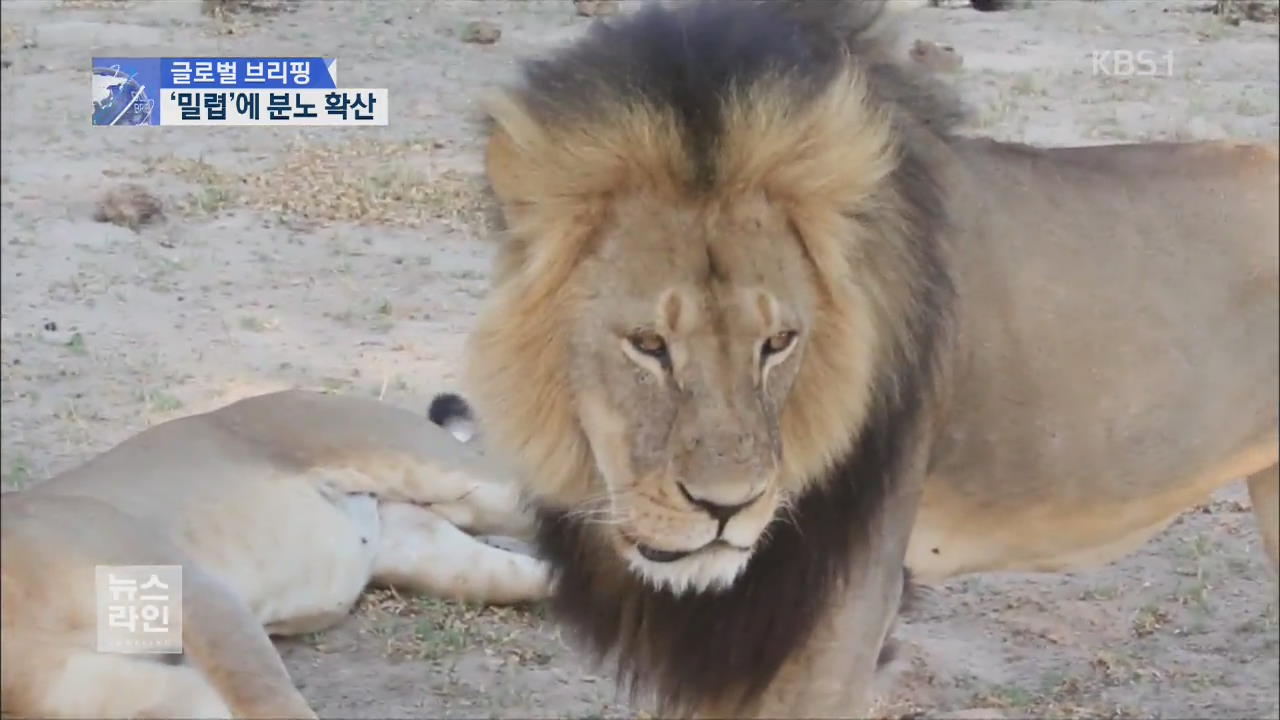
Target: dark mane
x=689 y=58
x=724 y=648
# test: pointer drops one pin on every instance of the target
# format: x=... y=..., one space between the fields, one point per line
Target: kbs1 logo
x=230 y=91
x=1133 y=63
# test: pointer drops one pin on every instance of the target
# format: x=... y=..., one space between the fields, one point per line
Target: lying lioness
x=280 y=508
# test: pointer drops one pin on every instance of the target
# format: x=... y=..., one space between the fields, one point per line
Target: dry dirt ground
x=353 y=259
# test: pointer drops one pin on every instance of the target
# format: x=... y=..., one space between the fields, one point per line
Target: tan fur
x=1113 y=361
x=1215 y=294
x=556 y=185
x=265 y=503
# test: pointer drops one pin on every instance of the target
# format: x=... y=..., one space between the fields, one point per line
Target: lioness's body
x=1115 y=350
x=764 y=329
x=281 y=508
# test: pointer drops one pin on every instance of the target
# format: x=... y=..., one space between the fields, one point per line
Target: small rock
x=481 y=32
x=595 y=8
x=996 y=5
x=222 y=8
x=935 y=57
x=129 y=205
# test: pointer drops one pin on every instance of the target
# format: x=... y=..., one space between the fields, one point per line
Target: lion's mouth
x=662 y=556
x=665 y=556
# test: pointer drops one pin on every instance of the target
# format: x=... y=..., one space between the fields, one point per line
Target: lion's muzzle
x=722 y=513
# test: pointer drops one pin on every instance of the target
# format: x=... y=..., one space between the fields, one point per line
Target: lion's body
x=281 y=509
x=764 y=329
x=1115 y=351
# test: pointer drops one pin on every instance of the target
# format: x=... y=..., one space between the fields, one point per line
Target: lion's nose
x=721 y=513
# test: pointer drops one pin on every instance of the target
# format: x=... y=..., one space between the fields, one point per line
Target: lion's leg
x=475 y=498
x=489 y=507
x=467 y=498
x=84 y=683
x=225 y=641
x=1264 y=491
x=423 y=551
x=835 y=674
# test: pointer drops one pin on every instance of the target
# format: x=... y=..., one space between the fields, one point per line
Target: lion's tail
x=451 y=412
x=223 y=639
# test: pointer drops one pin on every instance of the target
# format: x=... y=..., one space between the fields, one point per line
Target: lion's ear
x=540 y=159
x=511 y=157
x=550 y=199
x=502 y=166
x=825 y=161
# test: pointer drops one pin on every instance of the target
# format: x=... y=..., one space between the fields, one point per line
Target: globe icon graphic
x=118 y=99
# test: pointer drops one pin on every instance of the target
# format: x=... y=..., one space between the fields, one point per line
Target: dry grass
x=94 y=4
x=219 y=8
x=17 y=472
x=366 y=181
x=237 y=17
x=14 y=36
x=414 y=627
x=1063 y=696
x=1233 y=11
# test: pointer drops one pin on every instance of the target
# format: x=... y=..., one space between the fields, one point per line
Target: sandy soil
x=352 y=260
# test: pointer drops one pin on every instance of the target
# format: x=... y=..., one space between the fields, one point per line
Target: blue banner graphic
x=245 y=73
x=135 y=90
x=126 y=91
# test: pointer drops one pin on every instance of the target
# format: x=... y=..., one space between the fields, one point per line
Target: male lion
x=280 y=508
x=757 y=303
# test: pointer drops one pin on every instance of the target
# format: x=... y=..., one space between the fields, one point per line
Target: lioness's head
x=695 y=289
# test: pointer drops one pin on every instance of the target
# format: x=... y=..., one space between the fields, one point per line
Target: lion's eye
x=651 y=344
x=777 y=343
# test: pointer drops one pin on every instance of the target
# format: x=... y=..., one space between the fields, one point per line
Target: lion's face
x=691 y=326
x=671 y=356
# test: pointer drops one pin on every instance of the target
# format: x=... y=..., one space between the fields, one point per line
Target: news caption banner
x=139 y=608
x=234 y=91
